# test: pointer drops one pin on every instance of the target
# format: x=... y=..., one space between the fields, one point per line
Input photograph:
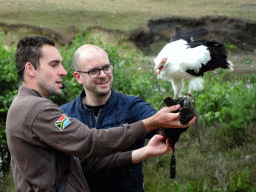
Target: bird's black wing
x=196 y=34
x=218 y=55
x=190 y=36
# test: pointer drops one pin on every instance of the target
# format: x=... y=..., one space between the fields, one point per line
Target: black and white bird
x=186 y=57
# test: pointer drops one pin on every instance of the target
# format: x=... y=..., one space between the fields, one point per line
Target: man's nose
x=62 y=71
x=102 y=73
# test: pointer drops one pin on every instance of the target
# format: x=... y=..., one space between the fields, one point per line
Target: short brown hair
x=29 y=50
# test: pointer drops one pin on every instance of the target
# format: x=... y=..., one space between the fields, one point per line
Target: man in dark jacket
x=45 y=144
x=99 y=106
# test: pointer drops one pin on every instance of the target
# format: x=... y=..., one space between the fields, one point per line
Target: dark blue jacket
x=120 y=109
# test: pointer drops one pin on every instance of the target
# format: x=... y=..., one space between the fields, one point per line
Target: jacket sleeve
x=108 y=163
x=68 y=135
x=143 y=110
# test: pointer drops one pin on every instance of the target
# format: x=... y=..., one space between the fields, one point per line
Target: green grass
x=7 y=184
x=214 y=169
x=117 y=14
x=64 y=19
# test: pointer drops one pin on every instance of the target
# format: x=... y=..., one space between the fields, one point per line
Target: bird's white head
x=159 y=64
x=169 y=55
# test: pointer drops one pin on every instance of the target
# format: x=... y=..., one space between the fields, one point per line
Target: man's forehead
x=50 y=53
x=96 y=59
x=83 y=54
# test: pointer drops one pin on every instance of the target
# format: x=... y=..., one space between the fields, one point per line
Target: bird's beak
x=159 y=69
x=159 y=66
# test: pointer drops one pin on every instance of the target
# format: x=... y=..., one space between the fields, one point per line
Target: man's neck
x=30 y=86
x=96 y=100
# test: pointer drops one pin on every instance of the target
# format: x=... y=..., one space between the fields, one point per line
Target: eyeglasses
x=94 y=73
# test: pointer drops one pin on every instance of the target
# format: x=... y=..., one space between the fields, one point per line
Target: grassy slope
x=116 y=14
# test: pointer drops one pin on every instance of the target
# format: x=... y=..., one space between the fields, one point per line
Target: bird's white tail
x=196 y=84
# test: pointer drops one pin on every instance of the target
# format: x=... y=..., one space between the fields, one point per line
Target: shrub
x=9 y=85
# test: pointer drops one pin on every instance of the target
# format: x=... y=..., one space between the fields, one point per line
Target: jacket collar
x=111 y=99
x=27 y=91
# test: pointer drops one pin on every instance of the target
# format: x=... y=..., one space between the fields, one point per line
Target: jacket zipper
x=90 y=117
x=97 y=118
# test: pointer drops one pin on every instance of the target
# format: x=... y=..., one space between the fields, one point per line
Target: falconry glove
x=187 y=112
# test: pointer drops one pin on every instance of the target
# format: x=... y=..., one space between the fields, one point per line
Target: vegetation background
x=226 y=106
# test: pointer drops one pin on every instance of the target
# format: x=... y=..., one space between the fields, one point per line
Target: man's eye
x=106 y=67
x=94 y=71
x=54 y=64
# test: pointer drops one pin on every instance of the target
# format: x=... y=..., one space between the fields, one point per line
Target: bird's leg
x=177 y=85
x=176 y=96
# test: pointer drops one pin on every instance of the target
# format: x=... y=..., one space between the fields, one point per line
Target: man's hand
x=165 y=118
x=158 y=145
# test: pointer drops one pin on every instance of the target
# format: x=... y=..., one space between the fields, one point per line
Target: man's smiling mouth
x=103 y=83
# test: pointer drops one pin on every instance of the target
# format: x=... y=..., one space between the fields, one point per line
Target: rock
x=247 y=157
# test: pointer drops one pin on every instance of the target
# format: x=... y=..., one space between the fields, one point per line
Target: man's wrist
x=149 y=124
x=140 y=155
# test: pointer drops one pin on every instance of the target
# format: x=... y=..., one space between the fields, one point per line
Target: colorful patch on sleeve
x=62 y=122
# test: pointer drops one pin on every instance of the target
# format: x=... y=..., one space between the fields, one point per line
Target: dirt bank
x=223 y=29
x=150 y=40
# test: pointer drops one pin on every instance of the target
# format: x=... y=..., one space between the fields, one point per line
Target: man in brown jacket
x=46 y=144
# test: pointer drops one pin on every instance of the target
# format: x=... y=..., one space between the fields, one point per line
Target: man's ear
x=78 y=77
x=30 y=69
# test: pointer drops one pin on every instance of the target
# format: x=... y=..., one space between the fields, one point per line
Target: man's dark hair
x=29 y=50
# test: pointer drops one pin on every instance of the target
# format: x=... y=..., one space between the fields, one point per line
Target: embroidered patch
x=62 y=122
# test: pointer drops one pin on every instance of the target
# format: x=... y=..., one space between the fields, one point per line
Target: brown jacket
x=43 y=141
